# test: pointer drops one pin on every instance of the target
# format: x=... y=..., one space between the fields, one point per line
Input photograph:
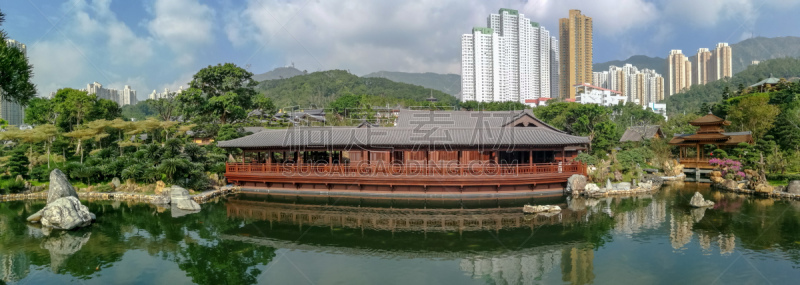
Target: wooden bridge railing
x=411 y=170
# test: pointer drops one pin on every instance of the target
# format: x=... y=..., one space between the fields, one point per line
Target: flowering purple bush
x=727 y=165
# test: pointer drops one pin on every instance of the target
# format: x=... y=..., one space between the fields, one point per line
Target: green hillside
x=447 y=83
x=691 y=100
x=761 y=49
x=320 y=88
x=279 y=73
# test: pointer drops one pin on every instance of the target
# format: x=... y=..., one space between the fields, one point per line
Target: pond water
x=252 y=239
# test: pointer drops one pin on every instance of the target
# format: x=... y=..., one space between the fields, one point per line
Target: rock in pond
x=698 y=201
x=180 y=198
x=59 y=187
x=65 y=214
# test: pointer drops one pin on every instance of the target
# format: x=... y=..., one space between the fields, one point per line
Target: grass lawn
x=778 y=182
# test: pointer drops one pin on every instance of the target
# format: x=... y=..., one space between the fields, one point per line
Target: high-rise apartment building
x=702 y=67
x=600 y=79
x=128 y=96
x=510 y=60
x=722 y=61
x=124 y=97
x=637 y=86
x=10 y=111
x=575 y=36
x=679 y=72
x=554 y=67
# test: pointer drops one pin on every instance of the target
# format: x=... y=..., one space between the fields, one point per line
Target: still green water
x=256 y=239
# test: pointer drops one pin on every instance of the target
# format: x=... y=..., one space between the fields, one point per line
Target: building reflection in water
x=516 y=269
x=524 y=265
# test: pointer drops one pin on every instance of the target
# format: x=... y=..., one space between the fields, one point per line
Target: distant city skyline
x=126 y=96
x=160 y=44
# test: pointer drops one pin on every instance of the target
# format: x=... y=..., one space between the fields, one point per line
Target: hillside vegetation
x=320 y=88
x=447 y=83
x=279 y=73
x=698 y=96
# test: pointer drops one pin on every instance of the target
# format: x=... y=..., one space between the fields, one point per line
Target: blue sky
x=157 y=44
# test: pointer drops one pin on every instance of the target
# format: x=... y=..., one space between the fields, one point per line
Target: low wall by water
x=118 y=196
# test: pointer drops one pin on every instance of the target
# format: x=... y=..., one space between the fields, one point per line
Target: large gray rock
x=793 y=187
x=180 y=199
x=60 y=187
x=576 y=182
x=698 y=201
x=65 y=214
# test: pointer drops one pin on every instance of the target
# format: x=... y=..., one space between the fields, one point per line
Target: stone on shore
x=115 y=182
x=59 y=187
x=729 y=184
x=764 y=188
x=698 y=201
x=65 y=214
x=622 y=186
x=576 y=182
x=591 y=187
x=793 y=187
x=161 y=187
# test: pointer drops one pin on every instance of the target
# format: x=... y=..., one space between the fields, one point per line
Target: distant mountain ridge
x=447 y=83
x=322 y=87
x=279 y=73
x=744 y=52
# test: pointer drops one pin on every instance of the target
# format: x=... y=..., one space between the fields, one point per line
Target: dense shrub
x=582 y=157
x=12 y=186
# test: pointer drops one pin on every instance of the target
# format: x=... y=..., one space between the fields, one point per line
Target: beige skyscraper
x=721 y=62
x=702 y=68
x=679 y=72
x=575 y=52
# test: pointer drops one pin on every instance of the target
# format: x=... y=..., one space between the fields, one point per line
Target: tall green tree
x=104 y=109
x=220 y=93
x=73 y=106
x=40 y=111
x=15 y=72
x=753 y=113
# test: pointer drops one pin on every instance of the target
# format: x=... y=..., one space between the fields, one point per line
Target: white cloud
x=609 y=17
x=186 y=26
x=49 y=59
x=417 y=36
